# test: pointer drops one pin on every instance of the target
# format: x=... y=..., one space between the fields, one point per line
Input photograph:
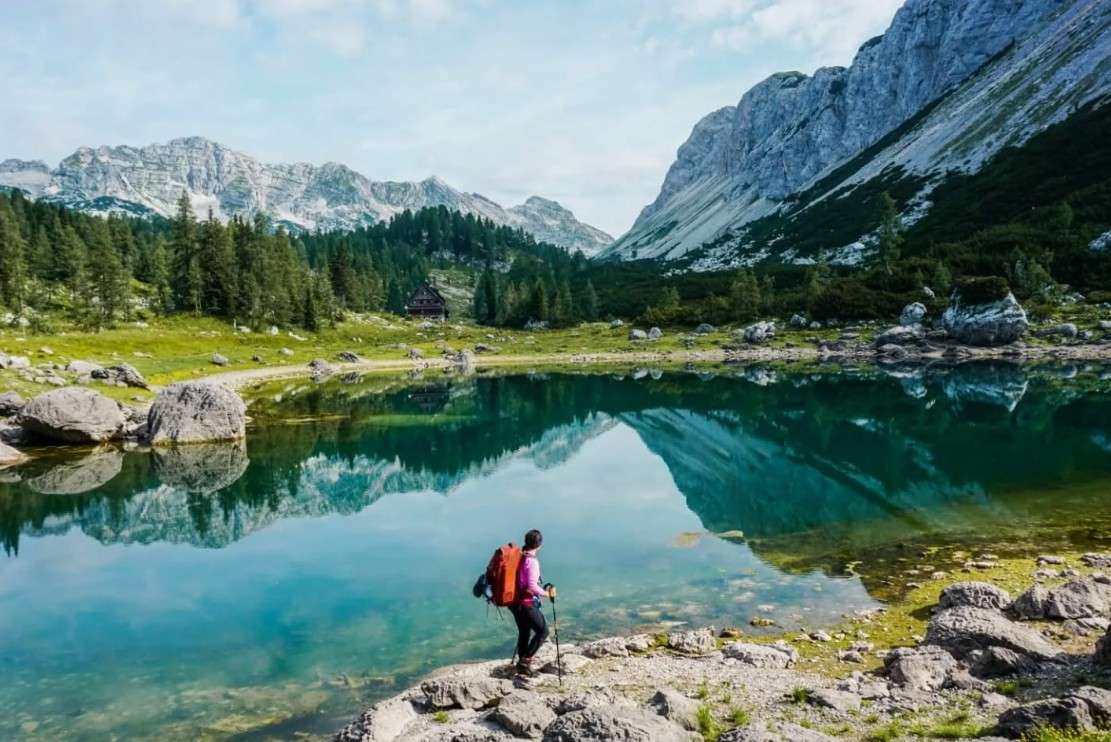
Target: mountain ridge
x=947 y=86
x=303 y=196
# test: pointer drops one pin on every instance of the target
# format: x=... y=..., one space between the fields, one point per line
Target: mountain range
x=149 y=180
x=950 y=84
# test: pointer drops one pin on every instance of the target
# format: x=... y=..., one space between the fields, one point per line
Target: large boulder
x=635 y=334
x=766 y=656
x=613 y=646
x=912 y=314
x=655 y=333
x=128 y=374
x=996 y=662
x=1030 y=606
x=194 y=412
x=610 y=723
x=965 y=629
x=900 y=335
x=924 y=668
x=73 y=415
x=82 y=368
x=1102 y=654
x=1081 y=598
x=975 y=594
x=1083 y=710
x=989 y=323
x=523 y=714
x=692 y=642
x=759 y=332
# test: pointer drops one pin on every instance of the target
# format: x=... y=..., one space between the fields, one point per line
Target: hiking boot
x=524 y=667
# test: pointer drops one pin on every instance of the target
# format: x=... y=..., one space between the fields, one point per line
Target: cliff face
x=948 y=85
x=144 y=180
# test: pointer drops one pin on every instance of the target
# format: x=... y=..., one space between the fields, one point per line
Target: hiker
x=527 y=611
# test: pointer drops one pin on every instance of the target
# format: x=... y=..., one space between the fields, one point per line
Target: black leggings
x=530 y=620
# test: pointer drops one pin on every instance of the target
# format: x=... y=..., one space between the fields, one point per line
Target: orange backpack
x=501 y=574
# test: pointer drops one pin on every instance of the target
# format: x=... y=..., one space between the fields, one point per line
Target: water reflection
x=803 y=452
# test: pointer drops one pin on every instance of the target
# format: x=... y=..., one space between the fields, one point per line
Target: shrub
x=707 y=725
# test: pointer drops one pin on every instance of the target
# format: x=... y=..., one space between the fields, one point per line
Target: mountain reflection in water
x=801 y=452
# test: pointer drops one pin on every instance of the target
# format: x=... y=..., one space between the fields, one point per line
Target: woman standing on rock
x=532 y=629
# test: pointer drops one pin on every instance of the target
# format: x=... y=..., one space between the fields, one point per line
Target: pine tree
x=589 y=304
x=890 y=234
x=13 y=268
x=158 y=276
x=481 y=308
x=186 y=278
x=108 y=279
x=744 y=296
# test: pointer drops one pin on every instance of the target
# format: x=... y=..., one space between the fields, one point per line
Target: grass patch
x=703 y=692
x=800 y=695
x=738 y=717
x=886 y=733
x=441 y=717
x=1052 y=734
x=958 y=726
x=1011 y=686
x=708 y=726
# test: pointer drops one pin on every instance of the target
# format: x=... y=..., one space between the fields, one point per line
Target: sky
x=581 y=101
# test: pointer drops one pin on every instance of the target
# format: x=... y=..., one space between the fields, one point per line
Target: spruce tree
x=13 y=269
x=589 y=304
x=890 y=234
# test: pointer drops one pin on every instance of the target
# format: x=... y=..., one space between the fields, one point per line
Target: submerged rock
x=73 y=415
x=10 y=456
x=76 y=477
x=201 y=468
x=194 y=412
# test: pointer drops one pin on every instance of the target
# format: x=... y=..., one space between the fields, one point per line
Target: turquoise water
x=262 y=590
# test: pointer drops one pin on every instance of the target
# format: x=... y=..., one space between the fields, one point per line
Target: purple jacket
x=528 y=577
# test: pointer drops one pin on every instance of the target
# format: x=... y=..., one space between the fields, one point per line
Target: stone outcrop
x=975 y=594
x=768 y=656
x=1084 y=710
x=73 y=415
x=604 y=724
x=523 y=715
x=925 y=668
x=758 y=332
x=993 y=323
x=692 y=642
x=912 y=314
x=966 y=629
x=194 y=412
x=464 y=693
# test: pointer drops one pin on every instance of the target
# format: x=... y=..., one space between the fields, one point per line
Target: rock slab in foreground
x=605 y=724
x=193 y=412
x=72 y=415
x=777 y=733
x=523 y=714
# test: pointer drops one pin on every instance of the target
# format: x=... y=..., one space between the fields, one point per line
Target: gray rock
x=891 y=352
x=1031 y=605
x=924 y=668
x=996 y=662
x=82 y=368
x=639 y=642
x=1065 y=330
x=976 y=594
x=994 y=323
x=347 y=356
x=635 y=334
x=674 y=706
x=1062 y=713
x=523 y=714
x=774 y=732
x=607 y=724
x=571 y=662
x=219 y=360
x=464 y=361
x=10 y=403
x=912 y=314
x=758 y=332
x=705 y=329
x=655 y=333
x=692 y=642
x=842 y=701
x=1093 y=559
x=319 y=368
x=609 y=647
x=128 y=374
x=74 y=415
x=900 y=335
x=964 y=629
x=416 y=354
x=1077 y=599
x=285 y=352
x=18 y=362
x=767 y=656
x=464 y=693
x=382 y=722
x=593 y=698
x=83 y=475
x=797 y=321
x=194 y=412
x=1099 y=703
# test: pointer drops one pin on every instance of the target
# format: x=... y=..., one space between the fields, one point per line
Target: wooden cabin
x=428 y=303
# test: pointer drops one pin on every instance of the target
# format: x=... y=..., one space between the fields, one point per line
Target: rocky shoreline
x=988 y=666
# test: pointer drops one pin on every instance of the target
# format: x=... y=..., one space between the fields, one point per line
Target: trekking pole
x=555 y=628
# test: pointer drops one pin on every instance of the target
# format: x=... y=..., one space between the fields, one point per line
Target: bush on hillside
x=982 y=289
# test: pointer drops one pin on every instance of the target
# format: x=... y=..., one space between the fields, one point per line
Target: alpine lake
x=270 y=589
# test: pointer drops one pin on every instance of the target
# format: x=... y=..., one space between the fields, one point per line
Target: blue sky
x=583 y=101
